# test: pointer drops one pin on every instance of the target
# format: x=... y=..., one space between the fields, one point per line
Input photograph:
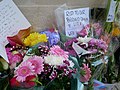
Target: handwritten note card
x=75 y=20
x=11 y=21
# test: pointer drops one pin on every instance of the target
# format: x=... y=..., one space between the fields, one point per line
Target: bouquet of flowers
x=90 y=50
x=37 y=63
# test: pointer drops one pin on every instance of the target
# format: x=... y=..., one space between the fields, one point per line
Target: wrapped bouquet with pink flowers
x=37 y=64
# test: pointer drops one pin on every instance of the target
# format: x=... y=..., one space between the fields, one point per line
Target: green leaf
x=64 y=38
x=3 y=65
x=39 y=88
x=76 y=84
x=98 y=70
x=73 y=84
x=75 y=61
x=4 y=82
x=33 y=50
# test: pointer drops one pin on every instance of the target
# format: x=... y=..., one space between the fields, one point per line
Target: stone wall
x=40 y=13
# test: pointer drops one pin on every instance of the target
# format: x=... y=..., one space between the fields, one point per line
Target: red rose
x=14 y=82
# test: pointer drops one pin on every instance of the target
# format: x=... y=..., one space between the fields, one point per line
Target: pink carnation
x=37 y=62
x=24 y=70
x=56 y=50
x=86 y=77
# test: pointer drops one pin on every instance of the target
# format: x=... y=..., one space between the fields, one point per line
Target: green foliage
x=75 y=82
x=59 y=84
x=33 y=50
x=4 y=83
x=64 y=38
x=3 y=65
x=111 y=74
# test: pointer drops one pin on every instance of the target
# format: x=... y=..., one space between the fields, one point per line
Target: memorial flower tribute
x=51 y=60
x=36 y=63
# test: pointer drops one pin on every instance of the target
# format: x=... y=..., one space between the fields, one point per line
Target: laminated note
x=75 y=20
x=11 y=21
x=111 y=13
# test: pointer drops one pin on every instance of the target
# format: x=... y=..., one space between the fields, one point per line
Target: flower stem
x=38 y=82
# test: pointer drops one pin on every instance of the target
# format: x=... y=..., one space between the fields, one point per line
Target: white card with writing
x=75 y=20
x=111 y=13
x=11 y=21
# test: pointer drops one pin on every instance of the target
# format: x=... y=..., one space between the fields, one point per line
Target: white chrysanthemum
x=54 y=60
x=84 y=40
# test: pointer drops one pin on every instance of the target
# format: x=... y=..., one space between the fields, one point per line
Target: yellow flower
x=116 y=31
x=35 y=38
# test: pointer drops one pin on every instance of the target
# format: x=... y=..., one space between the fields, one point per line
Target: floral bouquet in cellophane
x=90 y=49
x=37 y=62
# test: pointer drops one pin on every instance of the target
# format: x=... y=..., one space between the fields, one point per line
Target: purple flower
x=66 y=62
x=53 y=75
x=72 y=52
x=96 y=25
x=97 y=44
x=102 y=44
x=98 y=31
x=47 y=68
x=13 y=58
x=69 y=48
x=69 y=42
x=92 y=42
x=93 y=51
x=83 y=33
x=53 y=36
